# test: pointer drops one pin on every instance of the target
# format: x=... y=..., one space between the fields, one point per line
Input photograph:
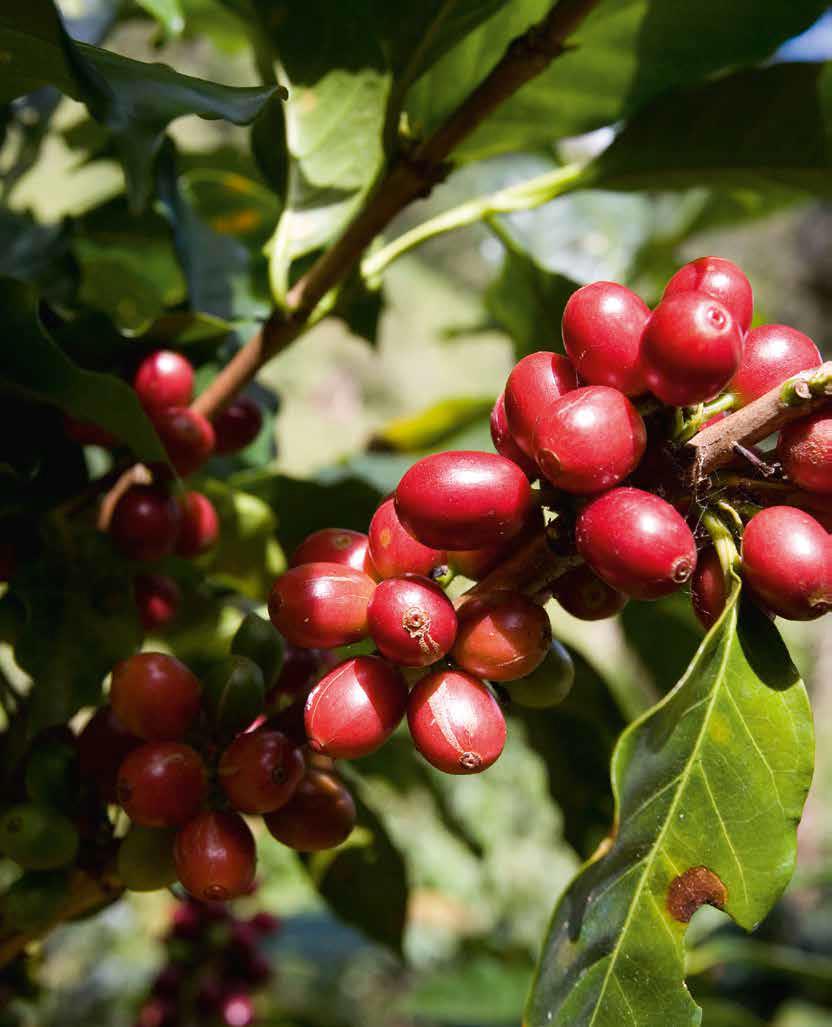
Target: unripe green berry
x=38 y=838
x=547 y=686
x=145 y=858
x=33 y=900
x=234 y=695
x=259 y=640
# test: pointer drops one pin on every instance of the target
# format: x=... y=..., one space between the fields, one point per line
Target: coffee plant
x=204 y=659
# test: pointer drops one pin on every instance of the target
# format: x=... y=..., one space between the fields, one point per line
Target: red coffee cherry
x=237 y=425
x=787 y=563
x=259 y=771
x=103 y=745
x=158 y=598
x=145 y=523
x=455 y=722
x=299 y=670
x=602 y=328
x=164 y=379
x=636 y=543
x=394 y=551
x=411 y=621
x=320 y=815
x=772 y=353
x=87 y=434
x=805 y=449
x=533 y=385
x=590 y=440
x=333 y=545
x=216 y=857
x=502 y=636
x=719 y=279
x=355 y=708
x=463 y=500
x=162 y=784
x=691 y=348
x=707 y=588
x=155 y=696
x=187 y=436
x=583 y=594
x=200 y=525
x=321 y=605
x=504 y=441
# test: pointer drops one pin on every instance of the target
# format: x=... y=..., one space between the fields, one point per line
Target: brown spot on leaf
x=693 y=889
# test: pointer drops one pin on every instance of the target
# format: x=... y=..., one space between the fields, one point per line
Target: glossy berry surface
x=260 y=771
x=355 y=708
x=237 y=425
x=394 y=551
x=37 y=837
x=585 y=596
x=707 y=588
x=320 y=815
x=216 y=857
x=463 y=500
x=534 y=384
x=787 y=562
x=455 y=722
x=591 y=439
x=199 y=529
x=805 y=450
x=636 y=542
x=164 y=379
x=772 y=353
x=720 y=279
x=154 y=696
x=549 y=684
x=145 y=523
x=333 y=545
x=103 y=745
x=504 y=441
x=602 y=328
x=411 y=621
x=162 y=784
x=187 y=436
x=321 y=605
x=158 y=598
x=691 y=348
x=502 y=636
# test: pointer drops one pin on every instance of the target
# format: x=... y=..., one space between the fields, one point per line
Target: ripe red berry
x=691 y=348
x=237 y=425
x=582 y=593
x=164 y=379
x=805 y=449
x=463 y=500
x=787 y=562
x=720 y=279
x=394 y=551
x=321 y=605
x=590 y=440
x=145 y=523
x=155 y=696
x=355 y=708
x=772 y=353
x=187 y=436
x=87 y=434
x=707 y=588
x=636 y=543
x=411 y=621
x=333 y=545
x=502 y=636
x=504 y=441
x=157 y=599
x=200 y=525
x=103 y=745
x=533 y=385
x=216 y=856
x=455 y=722
x=320 y=815
x=260 y=771
x=602 y=328
x=162 y=784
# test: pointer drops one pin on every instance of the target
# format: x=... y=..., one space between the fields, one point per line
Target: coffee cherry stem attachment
x=724 y=544
x=701 y=414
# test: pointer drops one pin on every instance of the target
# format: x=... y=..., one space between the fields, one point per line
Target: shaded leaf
x=431 y=426
x=40 y=254
x=482 y=989
x=231 y=204
x=168 y=13
x=671 y=620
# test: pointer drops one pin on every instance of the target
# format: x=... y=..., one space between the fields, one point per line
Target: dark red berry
x=772 y=353
x=502 y=636
x=157 y=599
x=805 y=449
x=787 y=562
x=289 y=721
x=582 y=593
x=216 y=857
x=162 y=784
x=691 y=348
x=333 y=545
x=87 y=434
x=455 y=721
x=260 y=771
x=237 y=425
x=411 y=621
x=504 y=441
x=590 y=440
x=394 y=551
x=719 y=279
x=164 y=379
x=321 y=605
x=636 y=543
x=103 y=745
x=200 y=526
x=187 y=436
x=145 y=523
x=155 y=696
x=707 y=588
x=533 y=385
x=299 y=670
x=355 y=708
x=463 y=500
x=602 y=328
x=320 y=815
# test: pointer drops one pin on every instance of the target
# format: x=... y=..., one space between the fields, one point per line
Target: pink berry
x=164 y=379
x=158 y=598
x=504 y=441
x=720 y=279
x=707 y=588
x=412 y=621
x=187 y=436
x=237 y=425
x=200 y=526
x=333 y=545
x=805 y=449
x=772 y=354
x=145 y=523
x=533 y=385
x=394 y=551
x=585 y=596
x=321 y=605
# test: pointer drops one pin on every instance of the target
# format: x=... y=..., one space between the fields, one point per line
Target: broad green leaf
x=231 y=204
x=709 y=789
x=168 y=13
x=429 y=427
x=672 y=620
x=37 y=253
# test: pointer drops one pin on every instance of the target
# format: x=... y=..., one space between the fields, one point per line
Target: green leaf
x=430 y=426
x=168 y=13
x=672 y=620
x=479 y=988
x=232 y=204
x=40 y=254
x=709 y=787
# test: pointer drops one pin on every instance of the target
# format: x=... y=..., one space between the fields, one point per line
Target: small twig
x=138 y=474
x=767 y=470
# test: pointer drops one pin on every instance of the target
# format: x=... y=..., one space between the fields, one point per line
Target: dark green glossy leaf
x=671 y=620
x=40 y=254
